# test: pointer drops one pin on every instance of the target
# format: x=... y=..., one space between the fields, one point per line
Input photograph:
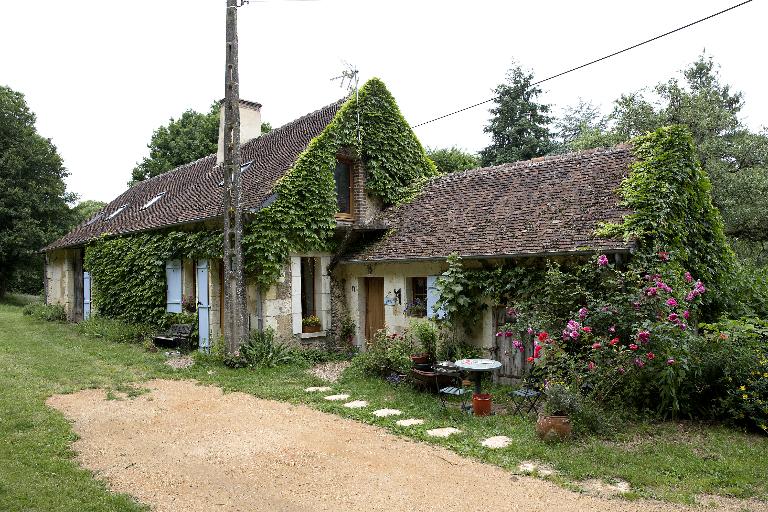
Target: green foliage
x=47 y=312
x=33 y=196
x=128 y=272
x=671 y=207
x=385 y=354
x=735 y=158
x=262 y=350
x=519 y=126
x=85 y=210
x=452 y=159
x=560 y=400
x=452 y=346
x=739 y=355
x=114 y=330
x=459 y=295
x=302 y=218
x=425 y=333
x=183 y=140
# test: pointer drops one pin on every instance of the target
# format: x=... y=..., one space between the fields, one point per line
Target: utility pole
x=235 y=302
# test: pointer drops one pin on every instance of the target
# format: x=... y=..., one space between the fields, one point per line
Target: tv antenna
x=351 y=77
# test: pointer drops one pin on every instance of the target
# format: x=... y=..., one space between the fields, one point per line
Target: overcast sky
x=101 y=76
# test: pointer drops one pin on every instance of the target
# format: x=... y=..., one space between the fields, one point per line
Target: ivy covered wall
x=128 y=272
x=671 y=200
x=302 y=218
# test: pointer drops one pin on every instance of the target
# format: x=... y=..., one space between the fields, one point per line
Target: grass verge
x=669 y=461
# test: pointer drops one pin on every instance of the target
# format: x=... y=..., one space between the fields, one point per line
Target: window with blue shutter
x=433 y=295
x=173 y=281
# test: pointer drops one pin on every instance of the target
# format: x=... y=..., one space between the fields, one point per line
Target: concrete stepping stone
x=530 y=467
x=356 y=404
x=443 y=432
x=496 y=442
x=336 y=398
x=409 y=422
x=317 y=389
x=382 y=413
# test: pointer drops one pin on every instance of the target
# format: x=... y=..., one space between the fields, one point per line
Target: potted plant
x=310 y=323
x=554 y=423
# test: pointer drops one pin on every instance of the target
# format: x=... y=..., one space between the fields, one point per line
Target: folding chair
x=450 y=382
x=525 y=399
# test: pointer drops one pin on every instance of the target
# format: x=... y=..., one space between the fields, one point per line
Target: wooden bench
x=178 y=335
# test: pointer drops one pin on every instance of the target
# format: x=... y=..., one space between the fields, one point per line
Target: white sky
x=101 y=76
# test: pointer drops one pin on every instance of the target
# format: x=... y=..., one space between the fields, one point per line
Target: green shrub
x=47 y=312
x=116 y=331
x=425 y=334
x=738 y=376
x=262 y=350
x=385 y=354
x=451 y=346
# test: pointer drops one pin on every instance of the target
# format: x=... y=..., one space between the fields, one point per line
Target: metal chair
x=449 y=382
x=525 y=399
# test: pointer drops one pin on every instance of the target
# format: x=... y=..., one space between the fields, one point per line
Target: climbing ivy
x=128 y=272
x=302 y=218
x=670 y=198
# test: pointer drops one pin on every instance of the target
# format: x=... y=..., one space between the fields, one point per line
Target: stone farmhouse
x=383 y=254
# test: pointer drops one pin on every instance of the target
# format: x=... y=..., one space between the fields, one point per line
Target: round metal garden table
x=477 y=367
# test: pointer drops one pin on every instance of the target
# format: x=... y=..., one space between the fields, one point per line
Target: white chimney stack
x=250 y=125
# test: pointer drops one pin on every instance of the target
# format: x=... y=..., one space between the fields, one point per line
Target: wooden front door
x=374 y=305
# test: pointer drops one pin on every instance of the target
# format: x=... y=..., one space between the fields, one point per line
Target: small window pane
x=342 y=177
x=307 y=287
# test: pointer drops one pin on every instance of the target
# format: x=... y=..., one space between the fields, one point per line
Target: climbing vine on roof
x=129 y=271
x=670 y=198
x=302 y=218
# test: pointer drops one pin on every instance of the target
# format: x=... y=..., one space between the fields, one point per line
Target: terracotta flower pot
x=420 y=358
x=310 y=328
x=481 y=404
x=553 y=428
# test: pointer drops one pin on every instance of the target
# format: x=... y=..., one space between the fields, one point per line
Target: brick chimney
x=250 y=125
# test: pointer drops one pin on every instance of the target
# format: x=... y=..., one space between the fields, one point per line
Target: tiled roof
x=549 y=205
x=191 y=193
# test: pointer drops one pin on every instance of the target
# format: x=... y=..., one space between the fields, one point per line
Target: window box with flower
x=310 y=324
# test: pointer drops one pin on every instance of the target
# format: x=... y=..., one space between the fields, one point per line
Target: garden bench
x=178 y=335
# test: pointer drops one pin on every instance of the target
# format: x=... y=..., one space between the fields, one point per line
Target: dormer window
x=114 y=213
x=343 y=176
x=153 y=200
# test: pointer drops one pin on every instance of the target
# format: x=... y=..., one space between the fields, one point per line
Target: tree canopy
x=183 y=140
x=33 y=196
x=519 y=125
x=452 y=159
x=735 y=158
x=84 y=210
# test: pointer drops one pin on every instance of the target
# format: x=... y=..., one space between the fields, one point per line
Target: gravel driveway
x=185 y=447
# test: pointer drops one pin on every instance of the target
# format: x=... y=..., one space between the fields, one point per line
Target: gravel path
x=184 y=447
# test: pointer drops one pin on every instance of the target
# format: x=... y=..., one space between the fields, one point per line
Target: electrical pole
x=235 y=305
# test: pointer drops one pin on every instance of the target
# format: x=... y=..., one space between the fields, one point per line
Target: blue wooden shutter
x=433 y=295
x=203 y=307
x=173 y=280
x=86 y=295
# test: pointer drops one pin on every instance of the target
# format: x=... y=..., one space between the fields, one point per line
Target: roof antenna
x=350 y=76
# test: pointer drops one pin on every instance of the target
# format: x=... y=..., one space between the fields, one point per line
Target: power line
x=594 y=61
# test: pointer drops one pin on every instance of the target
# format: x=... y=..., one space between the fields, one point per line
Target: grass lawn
x=668 y=461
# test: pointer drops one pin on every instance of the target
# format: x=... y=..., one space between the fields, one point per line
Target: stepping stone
x=381 y=413
x=336 y=398
x=533 y=467
x=315 y=389
x=497 y=442
x=443 y=432
x=409 y=422
x=356 y=404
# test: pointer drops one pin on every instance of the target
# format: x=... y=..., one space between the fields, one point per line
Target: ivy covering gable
x=670 y=197
x=128 y=272
x=302 y=218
